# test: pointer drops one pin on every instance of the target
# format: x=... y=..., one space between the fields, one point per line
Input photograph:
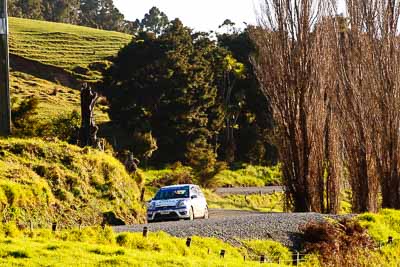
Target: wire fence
x=83 y=257
x=295 y=259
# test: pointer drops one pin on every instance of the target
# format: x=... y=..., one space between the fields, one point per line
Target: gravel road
x=230 y=225
x=249 y=190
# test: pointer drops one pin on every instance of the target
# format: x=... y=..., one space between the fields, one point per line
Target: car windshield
x=171 y=193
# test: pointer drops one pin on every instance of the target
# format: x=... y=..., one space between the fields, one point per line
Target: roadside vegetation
x=362 y=241
x=51 y=181
x=247 y=175
x=103 y=247
x=256 y=202
x=332 y=243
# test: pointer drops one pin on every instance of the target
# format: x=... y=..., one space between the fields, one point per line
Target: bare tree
x=288 y=65
x=328 y=125
x=368 y=68
x=385 y=45
x=89 y=129
x=334 y=86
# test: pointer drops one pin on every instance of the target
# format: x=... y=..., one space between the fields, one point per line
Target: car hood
x=167 y=202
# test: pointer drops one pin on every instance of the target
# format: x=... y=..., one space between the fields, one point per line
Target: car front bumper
x=168 y=214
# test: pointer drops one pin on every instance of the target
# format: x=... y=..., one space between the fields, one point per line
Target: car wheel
x=206 y=214
x=191 y=214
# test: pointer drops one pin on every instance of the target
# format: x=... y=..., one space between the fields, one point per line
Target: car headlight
x=151 y=205
x=181 y=203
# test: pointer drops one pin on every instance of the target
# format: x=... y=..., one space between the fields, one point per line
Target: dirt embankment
x=43 y=71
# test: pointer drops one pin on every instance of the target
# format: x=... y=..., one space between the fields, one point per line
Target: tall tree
x=31 y=8
x=368 y=67
x=88 y=12
x=14 y=10
x=155 y=21
x=248 y=109
x=109 y=17
x=287 y=67
x=65 y=11
x=164 y=86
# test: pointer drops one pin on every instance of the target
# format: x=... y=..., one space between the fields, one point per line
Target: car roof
x=177 y=185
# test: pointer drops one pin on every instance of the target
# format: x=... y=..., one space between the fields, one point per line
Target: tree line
x=333 y=82
x=101 y=14
x=186 y=96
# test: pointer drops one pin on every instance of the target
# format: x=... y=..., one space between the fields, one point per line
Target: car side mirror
x=194 y=196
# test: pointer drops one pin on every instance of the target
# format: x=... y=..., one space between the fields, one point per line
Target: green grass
x=102 y=247
x=94 y=246
x=273 y=250
x=262 y=203
x=54 y=99
x=249 y=176
x=63 y=45
x=382 y=225
x=153 y=175
x=44 y=182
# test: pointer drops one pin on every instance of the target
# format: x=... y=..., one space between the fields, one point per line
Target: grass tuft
x=45 y=182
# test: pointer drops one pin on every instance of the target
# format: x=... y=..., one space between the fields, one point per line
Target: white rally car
x=177 y=202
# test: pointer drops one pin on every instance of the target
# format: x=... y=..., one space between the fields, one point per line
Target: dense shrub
x=337 y=243
x=26 y=124
x=9 y=230
x=382 y=225
x=23 y=116
x=65 y=127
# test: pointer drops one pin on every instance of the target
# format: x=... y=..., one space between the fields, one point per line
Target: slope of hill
x=79 y=50
x=49 y=60
x=44 y=181
x=54 y=99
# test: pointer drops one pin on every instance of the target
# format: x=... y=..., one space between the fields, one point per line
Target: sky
x=201 y=15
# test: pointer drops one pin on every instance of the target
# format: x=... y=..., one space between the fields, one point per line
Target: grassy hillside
x=54 y=99
x=63 y=45
x=44 y=182
x=71 y=49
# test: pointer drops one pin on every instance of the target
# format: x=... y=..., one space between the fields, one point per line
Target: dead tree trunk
x=88 y=130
